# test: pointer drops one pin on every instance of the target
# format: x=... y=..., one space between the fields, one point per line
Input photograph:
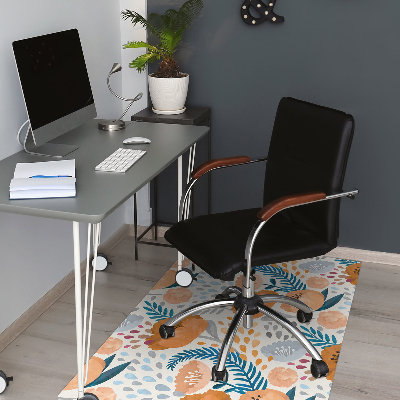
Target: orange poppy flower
x=96 y=367
x=332 y=319
x=192 y=377
x=282 y=377
x=110 y=346
x=312 y=298
x=187 y=331
x=352 y=273
x=177 y=295
x=210 y=395
x=317 y=282
x=331 y=356
x=103 y=393
x=267 y=394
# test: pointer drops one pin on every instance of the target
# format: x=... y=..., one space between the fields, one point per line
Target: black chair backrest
x=309 y=148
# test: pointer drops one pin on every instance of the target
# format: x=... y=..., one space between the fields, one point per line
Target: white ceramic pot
x=168 y=95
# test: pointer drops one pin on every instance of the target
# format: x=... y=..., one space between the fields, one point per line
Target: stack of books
x=43 y=180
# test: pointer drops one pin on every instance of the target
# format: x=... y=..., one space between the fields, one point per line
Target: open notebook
x=43 y=180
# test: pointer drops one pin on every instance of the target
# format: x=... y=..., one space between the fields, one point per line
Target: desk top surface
x=98 y=194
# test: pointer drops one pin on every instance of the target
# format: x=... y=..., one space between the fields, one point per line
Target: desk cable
x=20 y=129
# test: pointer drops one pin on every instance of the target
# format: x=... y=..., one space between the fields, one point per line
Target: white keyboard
x=121 y=160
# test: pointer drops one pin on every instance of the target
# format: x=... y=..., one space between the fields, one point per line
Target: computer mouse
x=136 y=140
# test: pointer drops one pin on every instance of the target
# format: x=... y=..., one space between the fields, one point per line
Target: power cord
x=20 y=129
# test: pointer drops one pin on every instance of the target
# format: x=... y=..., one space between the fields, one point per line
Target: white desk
x=99 y=194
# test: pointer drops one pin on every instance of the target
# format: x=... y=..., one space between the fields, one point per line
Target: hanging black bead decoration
x=266 y=12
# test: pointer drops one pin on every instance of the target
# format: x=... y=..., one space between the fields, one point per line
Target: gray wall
x=341 y=54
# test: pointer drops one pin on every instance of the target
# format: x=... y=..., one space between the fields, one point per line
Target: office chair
x=303 y=182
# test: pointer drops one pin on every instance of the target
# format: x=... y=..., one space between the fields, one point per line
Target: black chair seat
x=216 y=243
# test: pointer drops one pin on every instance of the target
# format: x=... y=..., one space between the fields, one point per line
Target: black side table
x=192 y=116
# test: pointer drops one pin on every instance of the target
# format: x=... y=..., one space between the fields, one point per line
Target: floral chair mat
x=265 y=363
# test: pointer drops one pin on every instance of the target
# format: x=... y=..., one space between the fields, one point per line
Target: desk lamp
x=117 y=124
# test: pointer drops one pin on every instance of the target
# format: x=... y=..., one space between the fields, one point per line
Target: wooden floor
x=42 y=359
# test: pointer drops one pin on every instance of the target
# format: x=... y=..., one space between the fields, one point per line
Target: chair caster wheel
x=303 y=316
x=89 y=396
x=4 y=381
x=101 y=262
x=167 y=331
x=319 y=368
x=184 y=277
x=219 y=376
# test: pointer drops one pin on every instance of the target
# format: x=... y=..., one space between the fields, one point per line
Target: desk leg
x=78 y=308
x=192 y=153
x=135 y=226
x=180 y=255
x=84 y=325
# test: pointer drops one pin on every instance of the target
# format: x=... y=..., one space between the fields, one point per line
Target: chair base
x=245 y=308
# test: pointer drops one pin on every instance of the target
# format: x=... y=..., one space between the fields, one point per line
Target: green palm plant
x=168 y=28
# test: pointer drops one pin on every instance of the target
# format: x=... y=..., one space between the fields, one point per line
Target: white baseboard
x=377 y=257
x=34 y=312
x=347 y=253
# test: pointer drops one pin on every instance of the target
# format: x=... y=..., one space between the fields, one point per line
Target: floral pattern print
x=317 y=282
x=312 y=298
x=331 y=356
x=265 y=362
x=192 y=377
x=110 y=346
x=332 y=319
x=209 y=395
x=267 y=394
x=282 y=377
x=104 y=393
x=187 y=331
x=96 y=367
x=352 y=273
x=177 y=295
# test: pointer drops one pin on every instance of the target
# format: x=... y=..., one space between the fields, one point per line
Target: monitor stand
x=48 y=149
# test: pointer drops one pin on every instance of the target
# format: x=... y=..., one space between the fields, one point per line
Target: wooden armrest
x=218 y=162
x=288 y=201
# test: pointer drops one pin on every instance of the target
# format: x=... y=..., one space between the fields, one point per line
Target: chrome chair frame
x=246 y=302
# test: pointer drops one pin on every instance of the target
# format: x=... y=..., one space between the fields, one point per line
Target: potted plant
x=168 y=86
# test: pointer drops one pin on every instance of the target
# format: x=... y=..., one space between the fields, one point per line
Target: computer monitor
x=56 y=88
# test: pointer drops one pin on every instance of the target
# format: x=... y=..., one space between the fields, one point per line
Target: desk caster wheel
x=102 y=262
x=89 y=396
x=184 y=277
x=303 y=316
x=219 y=376
x=4 y=381
x=319 y=368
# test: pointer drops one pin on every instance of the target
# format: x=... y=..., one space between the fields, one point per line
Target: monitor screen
x=54 y=82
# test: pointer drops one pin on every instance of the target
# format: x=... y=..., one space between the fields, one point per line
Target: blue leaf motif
x=155 y=311
x=331 y=302
x=107 y=375
x=317 y=338
x=281 y=280
x=108 y=361
x=291 y=393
